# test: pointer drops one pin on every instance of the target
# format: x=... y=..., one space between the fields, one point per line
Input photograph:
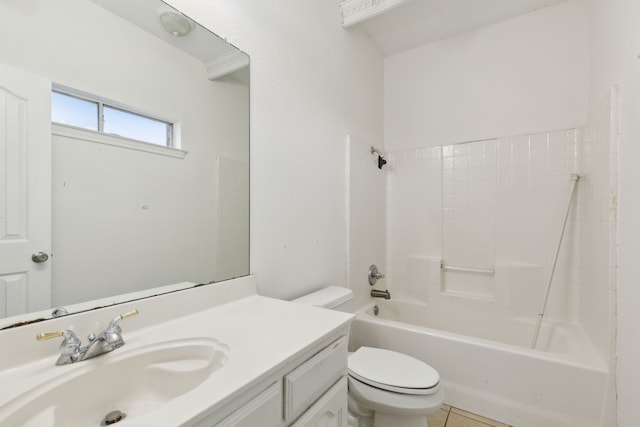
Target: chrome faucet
x=72 y=350
x=375 y=293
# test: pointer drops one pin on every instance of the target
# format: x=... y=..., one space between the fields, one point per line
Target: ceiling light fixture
x=174 y=22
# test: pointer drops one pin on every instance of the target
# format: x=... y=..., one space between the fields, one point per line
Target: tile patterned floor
x=449 y=416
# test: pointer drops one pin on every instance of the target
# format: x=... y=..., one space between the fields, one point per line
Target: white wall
x=311 y=83
x=614 y=60
x=121 y=222
x=597 y=202
x=366 y=227
x=521 y=76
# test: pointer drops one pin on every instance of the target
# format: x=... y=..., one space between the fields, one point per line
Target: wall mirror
x=124 y=149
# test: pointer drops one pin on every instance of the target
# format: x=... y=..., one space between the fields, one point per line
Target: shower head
x=381 y=160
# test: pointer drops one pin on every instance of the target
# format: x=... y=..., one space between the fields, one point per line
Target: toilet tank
x=332 y=297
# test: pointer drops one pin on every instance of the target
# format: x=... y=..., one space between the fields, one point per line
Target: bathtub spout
x=380 y=294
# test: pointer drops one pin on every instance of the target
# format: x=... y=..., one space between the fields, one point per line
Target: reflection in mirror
x=118 y=213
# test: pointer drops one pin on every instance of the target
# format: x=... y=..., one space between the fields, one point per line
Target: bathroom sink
x=135 y=382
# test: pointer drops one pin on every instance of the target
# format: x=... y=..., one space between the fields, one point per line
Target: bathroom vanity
x=211 y=356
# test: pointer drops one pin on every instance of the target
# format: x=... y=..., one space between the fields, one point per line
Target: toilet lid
x=389 y=370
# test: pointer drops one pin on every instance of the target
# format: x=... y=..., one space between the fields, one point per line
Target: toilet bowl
x=386 y=388
x=399 y=390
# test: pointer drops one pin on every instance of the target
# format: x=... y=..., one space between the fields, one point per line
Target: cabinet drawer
x=329 y=410
x=264 y=410
x=309 y=381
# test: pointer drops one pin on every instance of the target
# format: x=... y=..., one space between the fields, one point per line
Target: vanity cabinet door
x=329 y=411
x=305 y=384
x=264 y=410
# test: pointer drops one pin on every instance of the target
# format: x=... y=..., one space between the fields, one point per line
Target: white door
x=25 y=192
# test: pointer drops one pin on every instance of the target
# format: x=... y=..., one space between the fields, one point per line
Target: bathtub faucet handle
x=374 y=275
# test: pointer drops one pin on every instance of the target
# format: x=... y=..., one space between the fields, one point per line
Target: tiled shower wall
x=494 y=205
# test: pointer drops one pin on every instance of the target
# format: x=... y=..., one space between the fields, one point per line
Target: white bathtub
x=487 y=368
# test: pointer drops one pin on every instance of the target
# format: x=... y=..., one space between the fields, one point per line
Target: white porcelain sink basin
x=134 y=382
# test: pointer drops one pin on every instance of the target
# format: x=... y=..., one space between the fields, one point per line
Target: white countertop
x=262 y=335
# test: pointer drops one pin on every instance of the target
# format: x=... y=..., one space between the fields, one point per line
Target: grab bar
x=490 y=271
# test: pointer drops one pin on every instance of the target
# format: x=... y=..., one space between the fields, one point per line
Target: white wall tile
x=498 y=201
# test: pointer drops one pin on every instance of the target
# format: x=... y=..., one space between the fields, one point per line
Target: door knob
x=39 y=257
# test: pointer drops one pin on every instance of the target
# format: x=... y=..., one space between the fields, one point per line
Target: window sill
x=116 y=141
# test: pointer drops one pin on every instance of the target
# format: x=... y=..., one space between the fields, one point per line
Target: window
x=80 y=110
x=72 y=111
x=124 y=123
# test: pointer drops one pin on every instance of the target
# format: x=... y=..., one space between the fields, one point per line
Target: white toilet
x=386 y=388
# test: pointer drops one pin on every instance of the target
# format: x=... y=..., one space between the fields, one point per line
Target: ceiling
x=418 y=22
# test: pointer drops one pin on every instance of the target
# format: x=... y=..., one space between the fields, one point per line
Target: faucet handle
x=42 y=336
x=70 y=343
x=130 y=314
x=374 y=275
x=114 y=323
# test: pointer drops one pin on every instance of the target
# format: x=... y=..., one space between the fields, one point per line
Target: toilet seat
x=392 y=371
